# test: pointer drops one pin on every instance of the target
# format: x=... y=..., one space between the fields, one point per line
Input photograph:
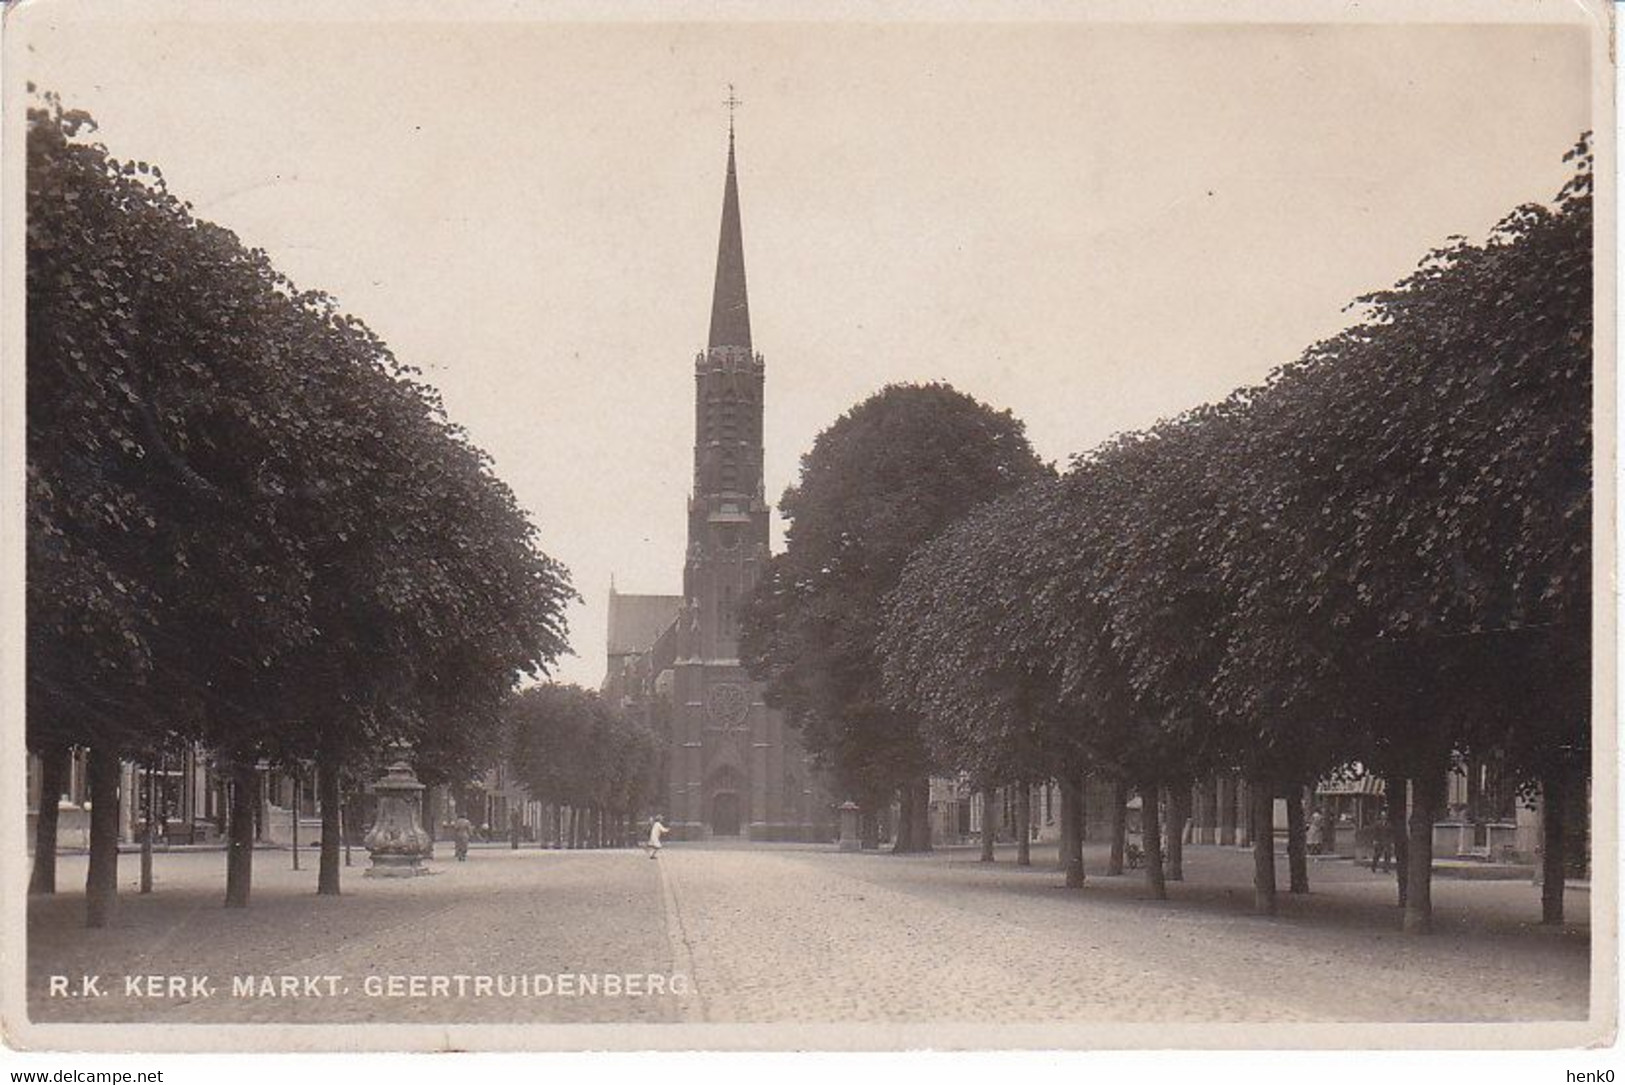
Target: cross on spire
x=730 y=314
x=732 y=102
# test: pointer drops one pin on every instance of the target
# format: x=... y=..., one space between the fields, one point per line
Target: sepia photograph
x=624 y=527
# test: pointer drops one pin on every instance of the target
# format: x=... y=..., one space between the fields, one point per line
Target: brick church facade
x=733 y=765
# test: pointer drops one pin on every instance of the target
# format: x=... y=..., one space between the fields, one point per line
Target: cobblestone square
x=804 y=934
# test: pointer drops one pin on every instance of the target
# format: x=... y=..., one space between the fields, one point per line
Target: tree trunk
x=1262 y=830
x=1426 y=798
x=245 y=786
x=344 y=828
x=327 y=786
x=1151 y=834
x=1179 y=803
x=1064 y=827
x=1244 y=813
x=54 y=762
x=1114 y=864
x=1297 y=852
x=1209 y=818
x=922 y=814
x=903 y=832
x=1552 y=867
x=990 y=821
x=1024 y=823
x=902 y=837
x=293 y=816
x=146 y=830
x=1072 y=829
x=101 y=881
x=1225 y=796
x=1394 y=788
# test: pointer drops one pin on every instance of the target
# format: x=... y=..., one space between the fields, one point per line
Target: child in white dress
x=656 y=831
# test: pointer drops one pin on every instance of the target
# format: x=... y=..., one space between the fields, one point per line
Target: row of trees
x=1377 y=562
x=595 y=766
x=249 y=526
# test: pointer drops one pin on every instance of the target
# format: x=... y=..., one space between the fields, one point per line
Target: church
x=734 y=767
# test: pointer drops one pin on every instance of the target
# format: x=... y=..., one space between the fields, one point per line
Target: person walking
x=656 y=831
x=461 y=830
x=1382 y=843
x=1316 y=837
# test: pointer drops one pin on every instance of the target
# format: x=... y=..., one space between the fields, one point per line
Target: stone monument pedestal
x=397 y=841
x=851 y=837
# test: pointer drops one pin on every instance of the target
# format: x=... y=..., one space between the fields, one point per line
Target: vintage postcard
x=598 y=526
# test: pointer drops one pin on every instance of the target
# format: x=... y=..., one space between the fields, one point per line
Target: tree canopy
x=878 y=483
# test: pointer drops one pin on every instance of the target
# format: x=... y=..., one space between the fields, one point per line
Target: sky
x=1093 y=225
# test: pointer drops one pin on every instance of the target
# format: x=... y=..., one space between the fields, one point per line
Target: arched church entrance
x=725 y=813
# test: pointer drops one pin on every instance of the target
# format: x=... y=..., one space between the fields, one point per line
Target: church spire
x=730 y=312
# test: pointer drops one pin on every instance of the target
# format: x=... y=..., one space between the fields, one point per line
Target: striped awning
x=1362 y=785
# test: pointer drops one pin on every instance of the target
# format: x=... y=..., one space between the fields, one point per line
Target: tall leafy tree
x=877 y=484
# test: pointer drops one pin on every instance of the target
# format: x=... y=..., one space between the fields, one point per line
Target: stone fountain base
x=396 y=866
x=397 y=840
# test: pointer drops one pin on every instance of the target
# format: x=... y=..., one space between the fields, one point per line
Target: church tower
x=735 y=768
x=727 y=516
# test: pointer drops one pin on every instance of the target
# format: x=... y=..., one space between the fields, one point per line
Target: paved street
x=803 y=934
